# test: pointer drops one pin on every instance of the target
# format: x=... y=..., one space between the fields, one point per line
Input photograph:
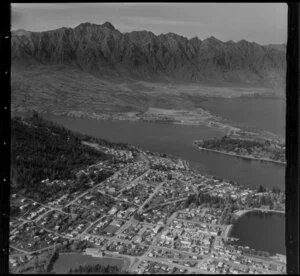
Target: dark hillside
x=41 y=149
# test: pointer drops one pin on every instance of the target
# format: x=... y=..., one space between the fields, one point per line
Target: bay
x=261 y=231
x=262 y=113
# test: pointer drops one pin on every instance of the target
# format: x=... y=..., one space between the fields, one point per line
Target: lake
x=267 y=114
x=66 y=261
x=177 y=140
x=261 y=231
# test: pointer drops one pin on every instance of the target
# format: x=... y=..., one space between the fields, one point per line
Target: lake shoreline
x=82 y=258
x=241 y=213
x=175 y=140
x=215 y=124
x=245 y=224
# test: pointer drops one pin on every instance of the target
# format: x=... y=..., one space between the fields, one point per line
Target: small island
x=259 y=149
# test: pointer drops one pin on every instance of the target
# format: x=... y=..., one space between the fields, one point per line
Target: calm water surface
x=177 y=140
x=73 y=260
x=268 y=114
x=261 y=231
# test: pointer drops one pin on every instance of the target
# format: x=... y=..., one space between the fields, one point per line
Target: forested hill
x=42 y=149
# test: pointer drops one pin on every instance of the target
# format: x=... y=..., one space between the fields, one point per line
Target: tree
x=276 y=190
x=261 y=189
x=35 y=115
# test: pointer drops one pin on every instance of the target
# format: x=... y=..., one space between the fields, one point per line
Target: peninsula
x=258 y=149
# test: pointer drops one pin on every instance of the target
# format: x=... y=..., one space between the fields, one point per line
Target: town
x=154 y=210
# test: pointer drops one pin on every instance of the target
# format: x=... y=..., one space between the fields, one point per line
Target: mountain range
x=106 y=53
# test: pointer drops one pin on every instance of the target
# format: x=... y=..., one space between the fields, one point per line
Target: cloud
x=159 y=21
x=16 y=16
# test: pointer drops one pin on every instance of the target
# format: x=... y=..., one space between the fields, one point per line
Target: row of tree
x=52 y=260
x=98 y=268
x=205 y=198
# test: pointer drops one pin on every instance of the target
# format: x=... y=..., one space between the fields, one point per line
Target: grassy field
x=62 y=89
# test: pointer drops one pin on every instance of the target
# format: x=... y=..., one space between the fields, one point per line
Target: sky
x=263 y=23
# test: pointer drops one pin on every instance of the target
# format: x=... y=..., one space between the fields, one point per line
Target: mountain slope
x=105 y=52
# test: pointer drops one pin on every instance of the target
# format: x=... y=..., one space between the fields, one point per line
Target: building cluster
x=96 y=240
x=121 y=155
x=173 y=255
x=158 y=162
x=155 y=176
x=140 y=212
x=208 y=216
x=148 y=234
x=20 y=260
x=152 y=267
x=105 y=165
x=95 y=201
x=56 y=182
x=187 y=236
x=62 y=200
x=90 y=213
x=131 y=232
x=123 y=178
x=30 y=237
x=106 y=227
x=137 y=194
x=131 y=249
x=160 y=214
x=172 y=190
x=64 y=224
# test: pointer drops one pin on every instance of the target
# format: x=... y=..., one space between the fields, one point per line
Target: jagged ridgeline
x=41 y=149
x=104 y=51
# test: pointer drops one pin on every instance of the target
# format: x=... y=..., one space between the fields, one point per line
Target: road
x=199 y=222
x=144 y=158
x=90 y=226
x=151 y=196
x=31 y=252
x=153 y=245
x=94 y=187
x=166 y=203
x=132 y=184
x=169 y=263
x=189 y=184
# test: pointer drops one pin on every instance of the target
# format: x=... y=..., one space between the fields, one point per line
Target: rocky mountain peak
x=20 y=32
x=212 y=39
x=84 y=25
x=104 y=51
x=108 y=25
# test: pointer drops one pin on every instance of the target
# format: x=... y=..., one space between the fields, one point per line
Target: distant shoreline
x=241 y=156
x=211 y=124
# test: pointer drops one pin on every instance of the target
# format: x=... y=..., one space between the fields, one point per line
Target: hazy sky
x=259 y=22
